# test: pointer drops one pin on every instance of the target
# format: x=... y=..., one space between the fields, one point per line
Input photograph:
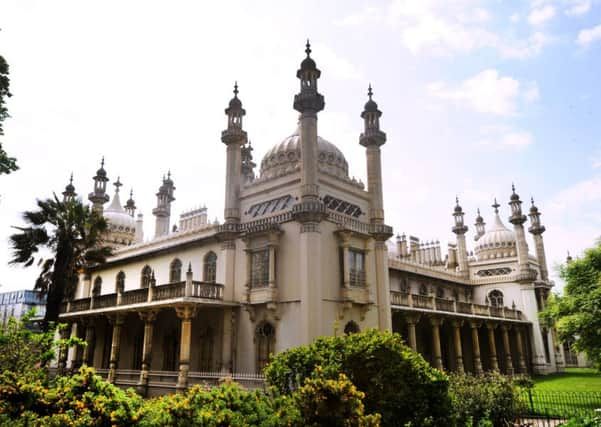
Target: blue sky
x=475 y=95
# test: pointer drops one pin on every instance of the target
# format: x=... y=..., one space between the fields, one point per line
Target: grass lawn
x=577 y=390
x=573 y=379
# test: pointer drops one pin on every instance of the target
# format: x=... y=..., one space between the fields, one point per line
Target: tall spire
x=372 y=135
x=480 y=226
x=162 y=211
x=99 y=197
x=69 y=194
x=309 y=100
x=130 y=205
x=496 y=206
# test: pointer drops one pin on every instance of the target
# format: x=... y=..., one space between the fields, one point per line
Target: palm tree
x=74 y=235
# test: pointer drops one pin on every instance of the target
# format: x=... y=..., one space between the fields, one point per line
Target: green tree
x=577 y=313
x=7 y=164
x=74 y=235
x=397 y=382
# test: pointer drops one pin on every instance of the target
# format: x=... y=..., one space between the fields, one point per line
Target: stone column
x=117 y=322
x=476 y=343
x=521 y=359
x=507 y=348
x=88 y=350
x=383 y=285
x=494 y=364
x=186 y=313
x=412 y=320
x=148 y=317
x=457 y=344
x=226 y=346
x=437 y=353
x=345 y=242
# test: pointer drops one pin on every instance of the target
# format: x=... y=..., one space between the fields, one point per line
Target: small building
x=17 y=303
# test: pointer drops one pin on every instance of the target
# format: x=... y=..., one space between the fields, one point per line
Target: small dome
x=284 y=158
x=497 y=242
x=119 y=220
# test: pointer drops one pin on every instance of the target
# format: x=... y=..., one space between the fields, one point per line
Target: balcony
x=193 y=290
x=432 y=304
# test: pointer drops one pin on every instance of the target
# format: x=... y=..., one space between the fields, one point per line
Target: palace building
x=304 y=250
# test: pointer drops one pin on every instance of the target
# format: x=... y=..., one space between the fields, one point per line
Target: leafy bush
x=478 y=400
x=583 y=422
x=397 y=382
x=83 y=399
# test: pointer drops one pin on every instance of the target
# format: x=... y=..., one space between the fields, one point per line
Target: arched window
x=496 y=298
x=120 y=282
x=439 y=292
x=423 y=290
x=146 y=277
x=175 y=271
x=97 y=288
x=210 y=267
x=351 y=328
x=265 y=340
x=404 y=285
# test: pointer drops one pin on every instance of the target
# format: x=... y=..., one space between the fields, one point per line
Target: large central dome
x=284 y=158
x=498 y=242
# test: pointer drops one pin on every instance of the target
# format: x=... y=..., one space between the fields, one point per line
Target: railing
x=357 y=278
x=193 y=289
x=104 y=301
x=172 y=290
x=426 y=302
x=560 y=404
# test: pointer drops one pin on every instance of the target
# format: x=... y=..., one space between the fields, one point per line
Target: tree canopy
x=577 y=313
x=7 y=164
x=74 y=235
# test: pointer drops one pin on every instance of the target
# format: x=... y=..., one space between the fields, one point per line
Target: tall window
x=97 y=288
x=210 y=267
x=356 y=264
x=175 y=271
x=120 y=282
x=259 y=269
x=265 y=340
x=205 y=355
x=146 y=277
x=423 y=290
x=496 y=298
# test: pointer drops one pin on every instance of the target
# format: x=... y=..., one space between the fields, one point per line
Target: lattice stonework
x=494 y=272
x=259 y=270
x=341 y=206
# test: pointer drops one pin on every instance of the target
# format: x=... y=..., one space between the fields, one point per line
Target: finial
x=117 y=184
x=512 y=188
x=369 y=92
x=169 y=174
x=457 y=200
x=71 y=179
x=495 y=206
x=308 y=48
x=131 y=193
x=236 y=89
x=102 y=162
x=478 y=210
x=532 y=200
x=189 y=267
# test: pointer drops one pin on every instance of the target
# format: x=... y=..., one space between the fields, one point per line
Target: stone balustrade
x=431 y=303
x=170 y=291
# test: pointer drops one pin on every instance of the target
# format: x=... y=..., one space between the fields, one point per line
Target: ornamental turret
x=162 y=212
x=537 y=230
x=248 y=166
x=372 y=139
x=234 y=137
x=69 y=194
x=99 y=197
x=459 y=228
x=130 y=205
x=480 y=226
x=518 y=219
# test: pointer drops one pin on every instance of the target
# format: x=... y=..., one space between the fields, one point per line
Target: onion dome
x=235 y=103
x=101 y=172
x=122 y=226
x=284 y=158
x=498 y=241
x=370 y=105
x=514 y=196
x=308 y=63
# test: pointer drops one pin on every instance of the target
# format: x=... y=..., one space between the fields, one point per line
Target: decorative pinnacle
x=169 y=174
x=457 y=200
x=236 y=89
x=512 y=188
x=478 y=210
x=495 y=205
x=369 y=92
x=117 y=184
x=131 y=193
x=532 y=200
x=308 y=48
x=189 y=267
x=102 y=162
x=71 y=179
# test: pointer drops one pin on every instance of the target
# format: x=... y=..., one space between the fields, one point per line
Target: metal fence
x=550 y=408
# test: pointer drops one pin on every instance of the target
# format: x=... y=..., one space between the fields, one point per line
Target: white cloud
x=531 y=93
x=578 y=8
x=540 y=15
x=359 y=18
x=337 y=66
x=514 y=139
x=589 y=35
x=486 y=92
x=524 y=48
x=515 y=18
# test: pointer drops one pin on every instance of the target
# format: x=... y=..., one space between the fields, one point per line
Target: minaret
x=248 y=166
x=518 y=219
x=372 y=139
x=234 y=138
x=163 y=210
x=308 y=102
x=130 y=205
x=139 y=234
x=480 y=226
x=460 y=229
x=99 y=197
x=537 y=230
x=69 y=194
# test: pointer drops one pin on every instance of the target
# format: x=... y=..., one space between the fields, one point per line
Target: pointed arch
x=210 y=267
x=265 y=343
x=495 y=297
x=175 y=271
x=146 y=277
x=97 y=287
x=120 y=282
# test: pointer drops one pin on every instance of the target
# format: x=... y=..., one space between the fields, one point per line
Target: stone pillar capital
x=436 y=321
x=185 y=312
x=475 y=324
x=116 y=319
x=491 y=325
x=457 y=323
x=148 y=315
